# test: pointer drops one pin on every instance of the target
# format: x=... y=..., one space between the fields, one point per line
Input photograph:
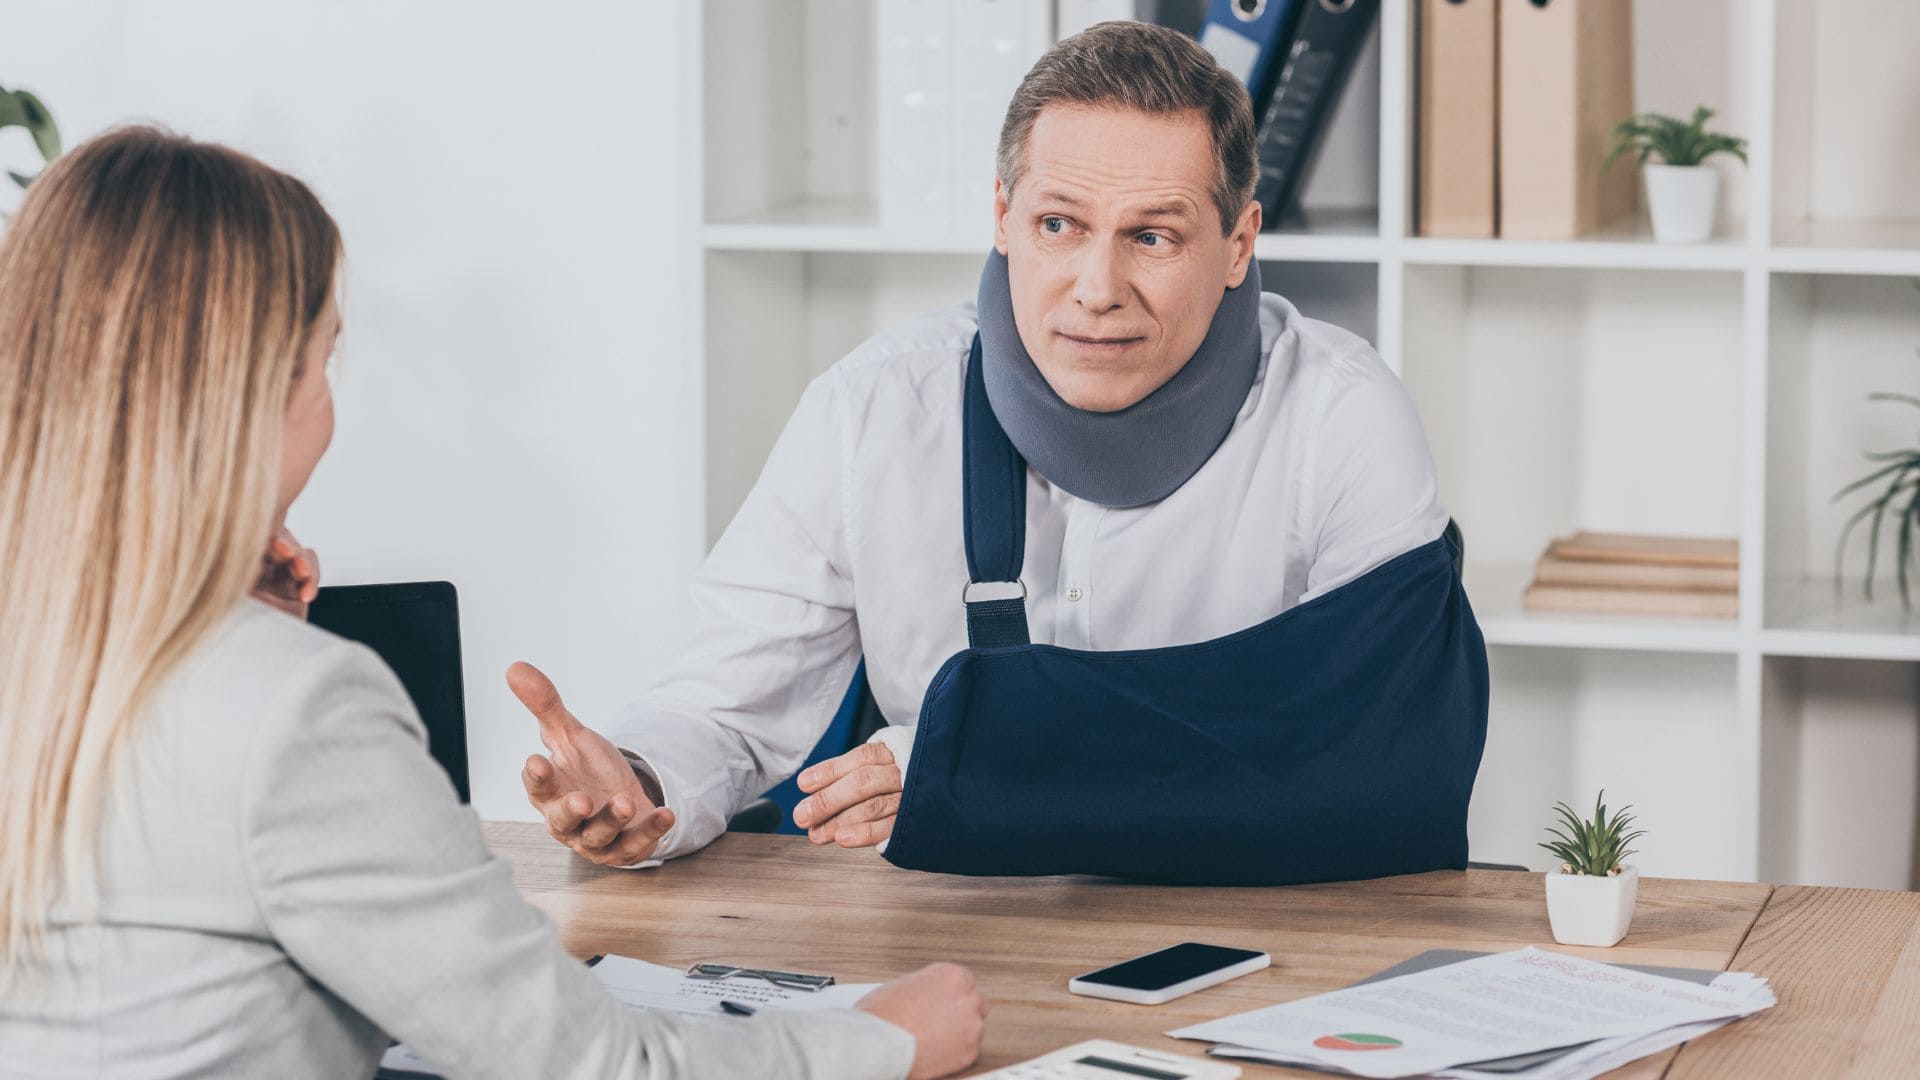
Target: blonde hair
x=156 y=296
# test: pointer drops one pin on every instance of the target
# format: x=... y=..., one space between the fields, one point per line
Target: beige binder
x=1566 y=78
x=1455 y=193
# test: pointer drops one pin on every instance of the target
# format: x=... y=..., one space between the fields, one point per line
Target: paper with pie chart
x=1476 y=1010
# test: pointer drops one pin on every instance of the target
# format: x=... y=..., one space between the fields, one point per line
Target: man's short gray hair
x=1154 y=70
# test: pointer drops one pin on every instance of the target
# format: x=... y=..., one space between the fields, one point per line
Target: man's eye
x=1152 y=239
x=1053 y=224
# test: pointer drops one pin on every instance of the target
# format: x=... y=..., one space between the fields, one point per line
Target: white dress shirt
x=850 y=544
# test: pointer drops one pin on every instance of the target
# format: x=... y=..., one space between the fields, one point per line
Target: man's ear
x=1240 y=243
x=1001 y=200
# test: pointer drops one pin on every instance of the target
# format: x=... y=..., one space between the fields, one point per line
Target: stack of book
x=1593 y=573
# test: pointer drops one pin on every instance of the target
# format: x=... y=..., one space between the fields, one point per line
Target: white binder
x=995 y=42
x=914 y=110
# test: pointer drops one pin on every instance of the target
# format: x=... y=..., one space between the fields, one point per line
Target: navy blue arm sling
x=1337 y=740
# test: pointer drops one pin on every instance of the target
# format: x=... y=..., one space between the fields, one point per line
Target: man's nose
x=1101 y=283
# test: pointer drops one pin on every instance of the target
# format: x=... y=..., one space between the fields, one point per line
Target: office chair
x=858 y=718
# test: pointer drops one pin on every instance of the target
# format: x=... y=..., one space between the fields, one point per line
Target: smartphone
x=1170 y=973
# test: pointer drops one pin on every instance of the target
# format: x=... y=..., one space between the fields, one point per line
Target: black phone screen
x=1169 y=967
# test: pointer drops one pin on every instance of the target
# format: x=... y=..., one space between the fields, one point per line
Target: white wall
x=517 y=412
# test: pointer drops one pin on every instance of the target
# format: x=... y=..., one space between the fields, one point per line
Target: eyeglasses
x=785 y=979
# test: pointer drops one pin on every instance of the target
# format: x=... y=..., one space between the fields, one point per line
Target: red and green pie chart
x=1355 y=1040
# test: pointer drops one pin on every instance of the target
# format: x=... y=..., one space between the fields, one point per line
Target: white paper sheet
x=641 y=985
x=638 y=984
x=1477 y=1010
x=1582 y=1063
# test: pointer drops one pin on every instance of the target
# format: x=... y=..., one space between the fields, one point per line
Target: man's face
x=1114 y=249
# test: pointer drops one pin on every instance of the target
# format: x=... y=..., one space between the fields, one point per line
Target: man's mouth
x=1101 y=341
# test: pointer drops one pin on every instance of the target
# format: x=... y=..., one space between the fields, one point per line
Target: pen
x=736 y=1008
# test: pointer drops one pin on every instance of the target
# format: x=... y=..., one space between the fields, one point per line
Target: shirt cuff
x=642 y=768
x=898 y=740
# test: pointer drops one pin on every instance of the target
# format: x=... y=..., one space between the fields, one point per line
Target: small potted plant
x=1590 y=895
x=1682 y=191
x=1895 y=497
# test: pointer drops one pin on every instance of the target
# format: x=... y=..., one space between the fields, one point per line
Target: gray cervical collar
x=1144 y=452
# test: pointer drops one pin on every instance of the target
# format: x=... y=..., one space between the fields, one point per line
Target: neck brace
x=1144 y=452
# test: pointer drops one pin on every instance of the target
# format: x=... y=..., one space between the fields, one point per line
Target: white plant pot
x=1587 y=910
x=1682 y=200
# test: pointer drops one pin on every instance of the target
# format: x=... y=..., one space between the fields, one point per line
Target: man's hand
x=289 y=575
x=939 y=1006
x=853 y=799
x=592 y=799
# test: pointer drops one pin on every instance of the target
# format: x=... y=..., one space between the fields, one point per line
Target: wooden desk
x=1845 y=964
x=780 y=902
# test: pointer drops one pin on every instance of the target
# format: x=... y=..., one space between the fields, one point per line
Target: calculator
x=1099 y=1059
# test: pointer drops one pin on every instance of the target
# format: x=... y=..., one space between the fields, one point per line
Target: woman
x=224 y=849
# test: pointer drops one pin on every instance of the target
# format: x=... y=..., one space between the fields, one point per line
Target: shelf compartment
x=776 y=320
x=1651 y=728
x=1834 y=339
x=1842 y=156
x=1809 y=616
x=1839 y=756
x=1556 y=400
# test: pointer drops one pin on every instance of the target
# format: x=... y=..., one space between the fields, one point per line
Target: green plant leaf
x=1903 y=469
x=1593 y=846
x=1676 y=141
x=1873 y=534
x=1908 y=517
x=19 y=108
x=1887 y=395
x=1903 y=554
x=46 y=134
x=1907 y=461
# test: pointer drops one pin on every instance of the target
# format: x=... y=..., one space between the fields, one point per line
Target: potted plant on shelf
x=1897 y=490
x=1682 y=191
x=1590 y=895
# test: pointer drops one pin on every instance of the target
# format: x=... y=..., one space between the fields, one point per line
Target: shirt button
x=1073 y=592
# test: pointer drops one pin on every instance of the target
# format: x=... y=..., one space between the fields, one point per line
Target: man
x=1198 y=457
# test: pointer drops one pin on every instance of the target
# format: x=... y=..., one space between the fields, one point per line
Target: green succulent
x=1677 y=141
x=1597 y=847
x=19 y=108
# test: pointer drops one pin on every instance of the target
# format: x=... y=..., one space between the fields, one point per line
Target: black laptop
x=415 y=627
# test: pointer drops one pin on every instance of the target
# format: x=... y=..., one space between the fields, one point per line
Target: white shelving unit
x=1607 y=382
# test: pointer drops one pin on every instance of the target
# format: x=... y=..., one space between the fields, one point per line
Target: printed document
x=1475 y=1011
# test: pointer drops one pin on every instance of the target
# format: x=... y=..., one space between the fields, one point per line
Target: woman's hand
x=289 y=575
x=942 y=1009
